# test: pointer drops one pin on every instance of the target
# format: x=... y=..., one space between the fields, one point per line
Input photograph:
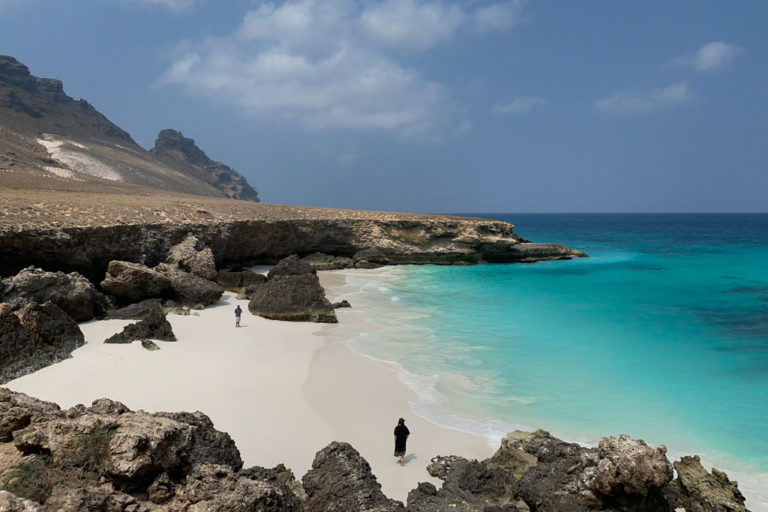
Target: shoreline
x=281 y=390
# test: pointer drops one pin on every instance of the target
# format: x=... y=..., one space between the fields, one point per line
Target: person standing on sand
x=401 y=435
x=238 y=312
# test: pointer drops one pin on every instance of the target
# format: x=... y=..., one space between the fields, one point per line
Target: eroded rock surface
x=71 y=292
x=190 y=289
x=191 y=255
x=293 y=298
x=696 y=490
x=154 y=326
x=132 y=282
x=238 y=281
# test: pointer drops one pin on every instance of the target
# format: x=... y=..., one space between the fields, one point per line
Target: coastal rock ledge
x=83 y=233
x=107 y=458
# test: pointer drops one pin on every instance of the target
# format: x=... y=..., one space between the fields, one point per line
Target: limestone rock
x=291 y=266
x=292 y=297
x=154 y=326
x=340 y=479
x=371 y=258
x=71 y=292
x=342 y=304
x=238 y=281
x=133 y=282
x=18 y=410
x=279 y=475
x=190 y=289
x=91 y=498
x=35 y=337
x=529 y=252
x=322 y=261
x=11 y=503
x=191 y=255
x=628 y=466
x=695 y=490
x=138 y=311
x=149 y=345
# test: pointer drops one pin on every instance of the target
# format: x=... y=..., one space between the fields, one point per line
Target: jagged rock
x=371 y=258
x=11 y=503
x=91 y=498
x=529 y=252
x=322 y=261
x=154 y=326
x=161 y=490
x=149 y=345
x=341 y=479
x=695 y=490
x=190 y=289
x=71 y=292
x=133 y=282
x=215 y=488
x=191 y=255
x=279 y=475
x=512 y=456
x=238 y=281
x=249 y=291
x=292 y=297
x=440 y=465
x=291 y=266
x=628 y=466
x=18 y=410
x=35 y=337
x=342 y=304
x=128 y=449
x=138 y=311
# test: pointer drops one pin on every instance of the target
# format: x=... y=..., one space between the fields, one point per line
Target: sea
x=661 y=333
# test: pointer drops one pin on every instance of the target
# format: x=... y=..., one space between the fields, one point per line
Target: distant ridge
x=49 y=140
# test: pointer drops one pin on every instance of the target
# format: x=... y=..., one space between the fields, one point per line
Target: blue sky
x=433 y=106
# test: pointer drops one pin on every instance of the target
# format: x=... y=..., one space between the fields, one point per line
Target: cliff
x=49 y=140
x=84 y=232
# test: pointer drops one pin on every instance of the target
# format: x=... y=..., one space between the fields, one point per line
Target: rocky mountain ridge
x=48 y=140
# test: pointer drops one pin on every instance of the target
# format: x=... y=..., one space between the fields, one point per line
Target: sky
x=442 y=106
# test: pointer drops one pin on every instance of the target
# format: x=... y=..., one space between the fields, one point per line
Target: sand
x=282 y=390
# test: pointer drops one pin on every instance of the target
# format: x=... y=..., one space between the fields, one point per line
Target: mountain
x=179 y=152
x=49 y=140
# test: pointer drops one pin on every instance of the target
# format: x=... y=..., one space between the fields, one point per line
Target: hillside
x=48 y=140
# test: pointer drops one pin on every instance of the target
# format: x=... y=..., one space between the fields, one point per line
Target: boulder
x=12 y=503
x=132 y=282
x=149 y=345
x=190 y=289
x=341 y=304
x=341 y=479
x=291 y=266
x=154 y=326
x=138 y=311
x=249 y=291
x=91 y=498
x=35 y=337
x=696 y=490
x=191 y=255
x=18 y=410
x=292 y=297
x=322 y=261
x=279 y=475
x=371 y=258
x=71 y=292
x=238 y=281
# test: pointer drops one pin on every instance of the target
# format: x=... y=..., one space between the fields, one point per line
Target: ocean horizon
x=661 y=333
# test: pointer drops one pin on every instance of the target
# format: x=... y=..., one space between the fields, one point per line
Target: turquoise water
x=662 y=333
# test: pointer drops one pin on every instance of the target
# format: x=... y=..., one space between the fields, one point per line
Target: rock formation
x=154 y=326
x=108 y=458
x=190 y=289
x=292 y=292
x=34 y=337
x=238 y=281
x=180 y=152
x=191 y=255
x=129 y=282
x=71 y=292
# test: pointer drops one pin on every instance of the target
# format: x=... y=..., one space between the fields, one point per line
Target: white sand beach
x=282 y=390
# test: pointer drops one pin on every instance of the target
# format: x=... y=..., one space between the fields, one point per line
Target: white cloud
x=711 y=56
x=500 y=16
x=324 y=64
x=640 y=102
x=411 y=24
x=519 y=105
x=172 y=5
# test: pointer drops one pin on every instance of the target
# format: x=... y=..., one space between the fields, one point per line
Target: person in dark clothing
x=238 y=312
x=401 y=435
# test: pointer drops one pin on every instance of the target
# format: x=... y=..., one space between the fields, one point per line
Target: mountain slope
x=49 y=140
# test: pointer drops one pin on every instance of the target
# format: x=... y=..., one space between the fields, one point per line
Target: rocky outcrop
x=322 y=261
x=238 y=281
x=138 y=311
x=71 y=292
x=291 y=266
x=132 y=282
x=696 y=490
x=34 y=337
x=340 y=479
x=181 y=152
x=190 y=289
x=154 y=326
x=192 y=256
x=292 y=298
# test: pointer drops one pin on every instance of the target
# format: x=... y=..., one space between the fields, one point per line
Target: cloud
x=500 y=16
x=171 y=5
x=326 y=64
x=711 y=56
x=519 y=105
x=641 y=102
